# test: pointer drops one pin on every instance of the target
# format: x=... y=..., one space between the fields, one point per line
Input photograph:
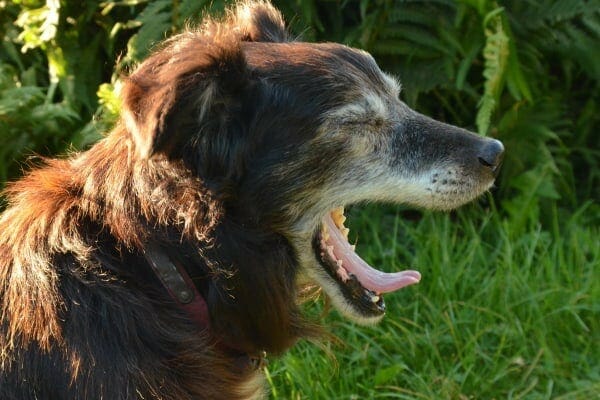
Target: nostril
x=491 y=153
x=484 y=162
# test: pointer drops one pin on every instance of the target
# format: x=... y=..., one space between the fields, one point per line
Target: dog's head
x=287 y=133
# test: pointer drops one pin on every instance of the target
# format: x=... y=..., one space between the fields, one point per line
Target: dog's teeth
x=375 y=299
x=338 y=217
x=353 y=247
x=342 y=273
x=324 y=232
x=330 y=252
x=345 y=232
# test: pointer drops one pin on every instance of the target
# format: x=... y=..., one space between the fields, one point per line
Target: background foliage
x=526 y=72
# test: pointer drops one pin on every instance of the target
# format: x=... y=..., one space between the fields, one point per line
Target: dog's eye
x=357 y=121
x=366 y=113
x=362 y=122
x=366 y=121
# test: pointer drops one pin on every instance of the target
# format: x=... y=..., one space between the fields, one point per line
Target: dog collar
x=179 y=285
x=182 y=290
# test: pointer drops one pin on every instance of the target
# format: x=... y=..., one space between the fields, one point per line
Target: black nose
x=490 y=154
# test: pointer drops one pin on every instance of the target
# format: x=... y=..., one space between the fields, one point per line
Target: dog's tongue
x=369 y=277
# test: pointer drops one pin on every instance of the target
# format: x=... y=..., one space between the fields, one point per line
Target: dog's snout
x=490 y=154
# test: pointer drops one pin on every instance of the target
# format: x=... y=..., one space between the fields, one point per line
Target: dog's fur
x=235 y=141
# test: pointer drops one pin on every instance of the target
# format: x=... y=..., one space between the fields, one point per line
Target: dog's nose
x=491 y=153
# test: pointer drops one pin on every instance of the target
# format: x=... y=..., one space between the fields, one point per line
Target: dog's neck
x=178 y=284
x=184 y=293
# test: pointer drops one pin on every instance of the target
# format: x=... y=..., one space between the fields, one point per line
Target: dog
x=166 y=260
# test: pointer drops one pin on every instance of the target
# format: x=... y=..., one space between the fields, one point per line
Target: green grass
x=499 y=314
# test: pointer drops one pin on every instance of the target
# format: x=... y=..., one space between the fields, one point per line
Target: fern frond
x=15 y=99
x=401 y=47
x=423 y=75
x=39 y=25
x=554 y=11
x=420 y=37
x=156 y=21
x=418 y=15
x=495 y=54
x=190 y=10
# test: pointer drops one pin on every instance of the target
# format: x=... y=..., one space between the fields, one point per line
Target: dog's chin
x=355 y=288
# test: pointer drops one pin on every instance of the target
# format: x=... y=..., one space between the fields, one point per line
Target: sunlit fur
x=235 y=141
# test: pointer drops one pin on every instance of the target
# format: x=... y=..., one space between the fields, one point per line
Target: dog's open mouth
x=361 y=285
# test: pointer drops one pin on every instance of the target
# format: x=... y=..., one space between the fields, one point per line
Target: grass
x=499 y=314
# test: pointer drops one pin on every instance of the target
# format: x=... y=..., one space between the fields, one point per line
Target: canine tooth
x=345 y=232
x=375 y=299
x=353 y=247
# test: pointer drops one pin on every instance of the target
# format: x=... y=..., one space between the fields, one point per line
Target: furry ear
x=259 y=21
x=169 y=94
x=146 y=110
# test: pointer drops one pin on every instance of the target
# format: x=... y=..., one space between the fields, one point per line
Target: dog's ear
x=170 y=93
x=259 y=21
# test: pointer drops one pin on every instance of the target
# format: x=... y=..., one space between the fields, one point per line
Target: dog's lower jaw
x=450 y=188
x=315 y=272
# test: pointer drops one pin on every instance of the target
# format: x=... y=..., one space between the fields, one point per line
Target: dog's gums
x=361 y=284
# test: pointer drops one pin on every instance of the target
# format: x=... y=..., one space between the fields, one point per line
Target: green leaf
x=495 y=53
x=156 y=20
x=465 y=65
x=385 y=375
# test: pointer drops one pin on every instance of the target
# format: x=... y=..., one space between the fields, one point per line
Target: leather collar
x=182 y=290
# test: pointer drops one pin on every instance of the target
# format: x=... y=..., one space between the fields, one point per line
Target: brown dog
x=164 y=261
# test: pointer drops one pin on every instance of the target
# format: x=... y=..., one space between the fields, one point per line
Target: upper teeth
x=345 y=232
x=338 y=217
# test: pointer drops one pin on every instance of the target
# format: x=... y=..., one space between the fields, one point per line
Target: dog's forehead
x=346 y=68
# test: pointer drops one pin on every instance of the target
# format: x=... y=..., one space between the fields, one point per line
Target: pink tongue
x=370 y=278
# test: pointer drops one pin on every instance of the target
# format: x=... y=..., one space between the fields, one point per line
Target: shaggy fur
x=235 y=141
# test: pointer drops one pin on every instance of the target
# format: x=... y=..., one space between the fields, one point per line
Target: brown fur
x=48 y=215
